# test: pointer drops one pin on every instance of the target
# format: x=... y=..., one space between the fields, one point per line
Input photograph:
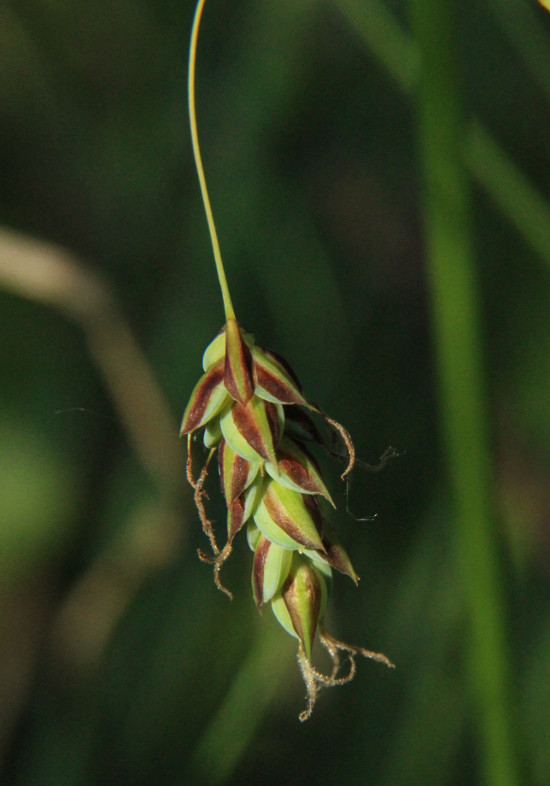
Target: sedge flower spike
x=254 y=417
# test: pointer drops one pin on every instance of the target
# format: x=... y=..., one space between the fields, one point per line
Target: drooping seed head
x=254 y=413
x=267 y=477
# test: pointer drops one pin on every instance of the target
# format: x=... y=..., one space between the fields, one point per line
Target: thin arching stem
x=227 y=304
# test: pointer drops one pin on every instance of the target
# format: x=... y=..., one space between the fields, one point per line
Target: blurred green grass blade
x=496 y=172
x=235 y=724
x=454 y=297
x=379 y=29
x=536 y=703
x=519 y=201
x=426 y=619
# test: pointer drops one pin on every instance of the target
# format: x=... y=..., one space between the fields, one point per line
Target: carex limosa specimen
x=253 y=414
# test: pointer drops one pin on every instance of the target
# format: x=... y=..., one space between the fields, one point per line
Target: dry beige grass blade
x=51 y=275
x=45 y=273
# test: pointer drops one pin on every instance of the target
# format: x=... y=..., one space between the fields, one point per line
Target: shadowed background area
x=379 y=176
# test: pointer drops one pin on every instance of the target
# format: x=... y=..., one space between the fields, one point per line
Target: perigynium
x=253 y=414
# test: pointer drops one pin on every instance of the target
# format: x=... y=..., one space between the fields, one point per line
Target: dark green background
x=308 y=122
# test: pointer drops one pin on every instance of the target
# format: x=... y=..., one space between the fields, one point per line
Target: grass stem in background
x=456 y=330
x=511 y=190
x=519 y=200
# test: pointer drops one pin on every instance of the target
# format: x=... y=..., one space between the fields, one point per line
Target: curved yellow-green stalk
x=227 y=304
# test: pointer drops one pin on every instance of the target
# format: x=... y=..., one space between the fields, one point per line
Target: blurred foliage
x=119 y=662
